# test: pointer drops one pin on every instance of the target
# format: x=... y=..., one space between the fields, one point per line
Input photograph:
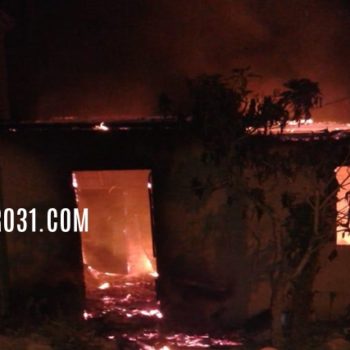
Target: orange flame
x=104 y=285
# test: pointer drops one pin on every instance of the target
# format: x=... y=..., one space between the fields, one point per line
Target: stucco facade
x=212 y=271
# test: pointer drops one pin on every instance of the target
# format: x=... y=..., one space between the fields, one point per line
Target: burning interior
x=119 y=240
x=343 y=205
x=211 y=273
x=119 y=263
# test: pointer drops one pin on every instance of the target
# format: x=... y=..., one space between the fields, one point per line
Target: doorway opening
x=117 y=249
x=119 y=239
x=119 y=264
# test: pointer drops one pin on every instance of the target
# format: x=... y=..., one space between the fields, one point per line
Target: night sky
x=113 y=57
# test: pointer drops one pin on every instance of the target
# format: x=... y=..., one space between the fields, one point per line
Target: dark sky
x=113 y=57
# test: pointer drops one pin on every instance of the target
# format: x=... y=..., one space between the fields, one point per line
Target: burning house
x=211 y=261
x=164 y=230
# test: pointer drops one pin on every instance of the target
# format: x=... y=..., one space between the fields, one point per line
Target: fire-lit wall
x=209 y=272
x=217 y=255
x=43 y=273
x=200 y=246
x=331 y=296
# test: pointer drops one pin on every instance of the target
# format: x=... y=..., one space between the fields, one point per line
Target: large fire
x=309 y=130
x=129 y=309
x=120 y=238
x=120 y=270
x=343 y=205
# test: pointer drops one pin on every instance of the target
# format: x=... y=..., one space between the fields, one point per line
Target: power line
x=336 y=101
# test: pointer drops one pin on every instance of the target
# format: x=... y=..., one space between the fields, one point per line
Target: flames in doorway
x=119 y=240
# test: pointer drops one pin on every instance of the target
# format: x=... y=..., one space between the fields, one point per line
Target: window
x=343 y=205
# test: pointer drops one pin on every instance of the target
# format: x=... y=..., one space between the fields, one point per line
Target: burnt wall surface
x=199 y=247
x=211 y=274
x=200 y=244
x=215 y=256
x=45 y=269
x=330 y=295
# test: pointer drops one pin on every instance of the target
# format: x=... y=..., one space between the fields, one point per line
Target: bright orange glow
x=119 y=264
x=101 y=127
x=343 y=208
x=119 y=240
x=86 y=315
x=104 y=285
x=154 y=274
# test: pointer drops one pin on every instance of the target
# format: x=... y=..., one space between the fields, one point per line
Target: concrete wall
x=215 y=259
x=46 y=270
x=331 y=295
x=213 y=269
x=200 y=245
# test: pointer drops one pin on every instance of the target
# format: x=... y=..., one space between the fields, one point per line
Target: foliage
x=300 y=97
x=225 y=105
x=224 y=114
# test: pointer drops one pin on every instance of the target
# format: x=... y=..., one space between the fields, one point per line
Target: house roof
x=293 y=132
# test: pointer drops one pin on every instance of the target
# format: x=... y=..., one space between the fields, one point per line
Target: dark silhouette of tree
x=300 y=97
x=308 y=228
x=224 y=116
x=215 y=103
x=165 y=105
x=271 y=113
x=225 y=102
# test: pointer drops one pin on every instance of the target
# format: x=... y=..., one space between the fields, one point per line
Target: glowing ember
x=199 y=341
x=124 y=299
x=130 y=301
x=110 y=274
x=151 y=313
x=98 y=274
x=127 y=298
x=308 y=129
x=105 y=285
x=87 y=315
x=101 y=127
x=147 y=264
x=191 y=341
x=139 y=262
x=154 y=274
x=224 y=342
x=302 y=122
x=74 y=181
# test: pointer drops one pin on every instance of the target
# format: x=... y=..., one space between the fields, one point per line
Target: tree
x=302 y=224
x=300 y=97
x=223 y=118
x=165 y=105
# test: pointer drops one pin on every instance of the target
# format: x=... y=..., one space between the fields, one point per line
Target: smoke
x=114 y=59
